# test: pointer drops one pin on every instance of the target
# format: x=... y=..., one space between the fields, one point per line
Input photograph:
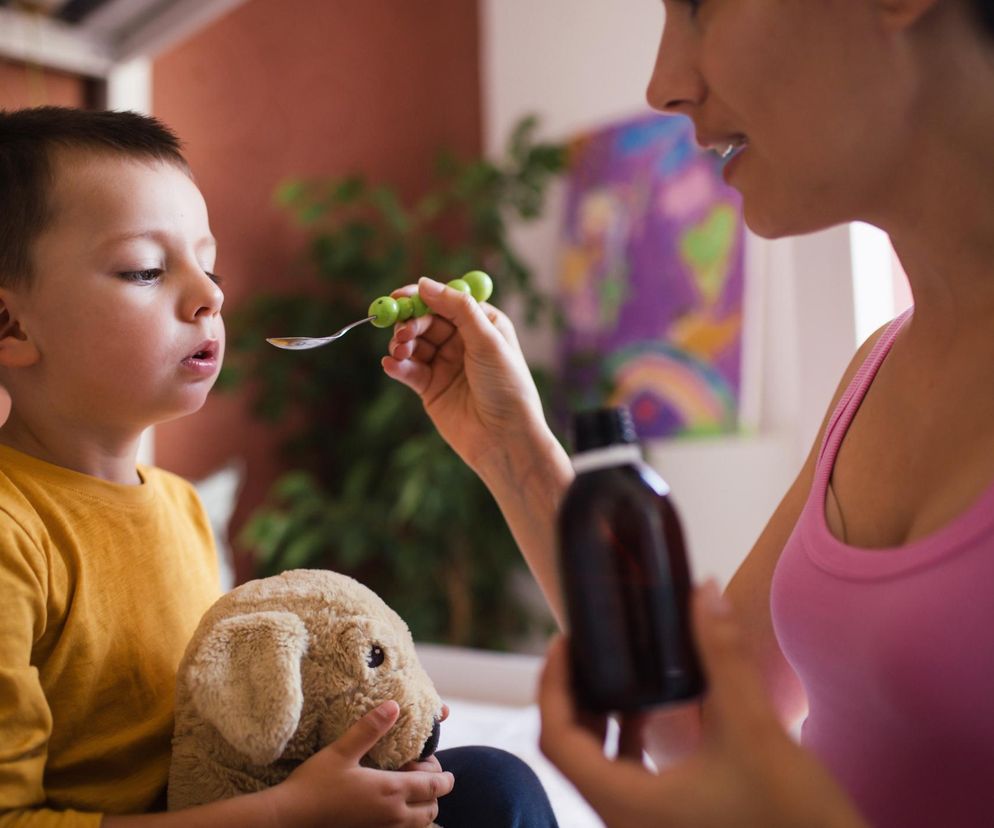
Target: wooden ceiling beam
x=39 y=40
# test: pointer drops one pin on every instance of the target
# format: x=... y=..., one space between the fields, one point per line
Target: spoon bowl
x=304 y=343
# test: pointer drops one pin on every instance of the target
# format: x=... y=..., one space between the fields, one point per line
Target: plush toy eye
x=376 y=656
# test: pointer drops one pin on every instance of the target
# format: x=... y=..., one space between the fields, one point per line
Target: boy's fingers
x=735 y=688
x=359 y=739
x=421 y=814
x=431 y=764
x=425 y=786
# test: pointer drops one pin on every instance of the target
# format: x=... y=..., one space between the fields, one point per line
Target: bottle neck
x=622 y=454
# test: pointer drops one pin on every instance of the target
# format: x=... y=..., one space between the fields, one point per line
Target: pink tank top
x=895 y=649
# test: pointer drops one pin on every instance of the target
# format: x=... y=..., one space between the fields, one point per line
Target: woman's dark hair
x=985 y=13
x=28 y=139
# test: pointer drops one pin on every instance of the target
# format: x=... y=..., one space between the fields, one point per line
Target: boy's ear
x=901 y=14
x=245 y=680
x=17 y=350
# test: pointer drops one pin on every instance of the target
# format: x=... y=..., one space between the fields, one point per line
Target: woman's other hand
x=746 y=772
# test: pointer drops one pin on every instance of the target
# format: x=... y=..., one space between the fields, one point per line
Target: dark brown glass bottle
x=625 y=575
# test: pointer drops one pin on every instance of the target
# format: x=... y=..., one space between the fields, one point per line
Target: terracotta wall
x=24 y=85
x=304 y=87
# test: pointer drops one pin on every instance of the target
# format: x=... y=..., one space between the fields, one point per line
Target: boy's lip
x=203 y=361
x=206 y=350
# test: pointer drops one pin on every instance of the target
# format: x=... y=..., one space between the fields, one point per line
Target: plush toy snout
x=281 y=667
x=432 y=744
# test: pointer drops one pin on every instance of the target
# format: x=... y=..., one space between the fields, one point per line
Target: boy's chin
x=191 y=404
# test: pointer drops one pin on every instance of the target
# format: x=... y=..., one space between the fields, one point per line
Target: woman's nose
x=676 y=86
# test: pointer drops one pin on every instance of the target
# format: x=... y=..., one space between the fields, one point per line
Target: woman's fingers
x=631 y=742
x=435 y=329
x=568 y=744
x=617 y=789
x=460 y=309
x=736 y=695
x=672 y=733
x=419 y=349
x=406 y=290
x=415 y=375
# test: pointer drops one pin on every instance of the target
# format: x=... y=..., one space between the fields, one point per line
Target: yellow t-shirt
x=101 y=587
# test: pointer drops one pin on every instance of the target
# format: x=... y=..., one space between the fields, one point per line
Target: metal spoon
x=302 y=343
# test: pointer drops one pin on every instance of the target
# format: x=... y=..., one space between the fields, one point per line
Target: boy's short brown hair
x=28 y=140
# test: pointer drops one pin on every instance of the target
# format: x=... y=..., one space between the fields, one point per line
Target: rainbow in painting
x=651 y=279
x=670 y=392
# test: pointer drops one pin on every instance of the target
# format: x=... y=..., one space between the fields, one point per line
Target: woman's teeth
x=731 y=148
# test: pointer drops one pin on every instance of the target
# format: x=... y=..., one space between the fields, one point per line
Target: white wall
x=582 y=63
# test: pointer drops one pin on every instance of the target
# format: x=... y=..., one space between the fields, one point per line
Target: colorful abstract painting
x=651 y=281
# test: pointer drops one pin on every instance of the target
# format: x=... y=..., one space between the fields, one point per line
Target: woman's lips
x=732 y=161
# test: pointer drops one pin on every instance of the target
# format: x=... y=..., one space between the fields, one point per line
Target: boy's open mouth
x=206 y=352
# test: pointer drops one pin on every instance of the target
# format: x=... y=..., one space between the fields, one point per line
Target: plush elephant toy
x=280 y=667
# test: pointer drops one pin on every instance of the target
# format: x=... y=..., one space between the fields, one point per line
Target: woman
x=866 y=600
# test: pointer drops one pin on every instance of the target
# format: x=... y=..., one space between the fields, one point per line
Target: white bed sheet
x=515 y=729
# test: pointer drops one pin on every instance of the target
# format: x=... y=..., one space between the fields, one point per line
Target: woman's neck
x=939 y=211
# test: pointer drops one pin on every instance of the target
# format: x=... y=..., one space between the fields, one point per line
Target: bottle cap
x=602 y=427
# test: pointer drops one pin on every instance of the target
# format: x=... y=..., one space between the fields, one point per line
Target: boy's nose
x=204 y=298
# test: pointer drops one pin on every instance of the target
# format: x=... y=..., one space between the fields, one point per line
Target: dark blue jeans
x=494 y=789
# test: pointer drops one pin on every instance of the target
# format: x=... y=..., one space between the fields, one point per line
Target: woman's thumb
x=359 y=739
x=736 y=693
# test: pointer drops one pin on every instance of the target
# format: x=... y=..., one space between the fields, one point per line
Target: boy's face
x=124 y=310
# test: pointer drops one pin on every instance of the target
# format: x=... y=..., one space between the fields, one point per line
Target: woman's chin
x=771 y=225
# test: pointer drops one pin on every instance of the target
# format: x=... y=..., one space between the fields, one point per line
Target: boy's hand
x=746 y=772
x=465 y=363
x=332 y=788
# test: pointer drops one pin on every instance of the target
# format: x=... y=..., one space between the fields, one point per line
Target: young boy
x=110 y=321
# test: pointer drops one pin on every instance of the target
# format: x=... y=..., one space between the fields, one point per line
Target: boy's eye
x=149 y=275
x=217 y=280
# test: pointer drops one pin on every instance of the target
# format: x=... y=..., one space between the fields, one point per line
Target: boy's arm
x=248 y=811
x=25 y=717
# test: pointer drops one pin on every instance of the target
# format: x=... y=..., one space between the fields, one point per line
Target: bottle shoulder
x=624 y=479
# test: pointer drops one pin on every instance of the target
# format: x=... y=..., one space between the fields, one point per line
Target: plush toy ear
x=245 y=680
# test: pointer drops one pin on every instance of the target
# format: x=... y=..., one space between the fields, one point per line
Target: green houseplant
x=373 y=491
